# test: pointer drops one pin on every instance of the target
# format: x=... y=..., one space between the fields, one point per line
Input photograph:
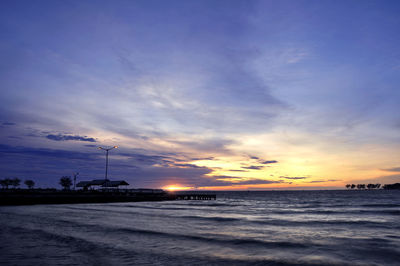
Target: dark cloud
x=218 y=181
x=269 y=162
x=188 y=165
x=146 y=159
x=90 y=145
x=295 y=177
x=254 y=157
x=44 y=152
x=394 y=169
x=201 y=159
x=253 y=167
x=223 y=177
x=8 y=124
x=317 y=181
x=237 y=170
x=61 y=137
x=257 y=181
x=227 y=181
x=46 y=166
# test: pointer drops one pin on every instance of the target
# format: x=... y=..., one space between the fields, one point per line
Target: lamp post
x=107 y=150
x=75 y=175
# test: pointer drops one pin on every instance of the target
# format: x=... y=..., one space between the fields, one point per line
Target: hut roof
x=98 y=182
x=115 y=183
x=84 y=184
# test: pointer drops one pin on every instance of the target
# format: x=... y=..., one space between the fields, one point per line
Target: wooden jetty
x=196 y=197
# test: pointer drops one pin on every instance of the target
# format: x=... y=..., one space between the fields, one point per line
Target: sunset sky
x=201 y=94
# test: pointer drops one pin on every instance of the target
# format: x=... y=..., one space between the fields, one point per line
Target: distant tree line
x=15 y=183
x=6 y=183
x=363 y=186
x=392 y=186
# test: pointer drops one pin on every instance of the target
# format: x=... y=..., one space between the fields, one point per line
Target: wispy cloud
x=61 y=137
x=269 y=162
x=187 y=165
x=295 y=177
x=8 y=124
x=394 y=169
x=253 y=167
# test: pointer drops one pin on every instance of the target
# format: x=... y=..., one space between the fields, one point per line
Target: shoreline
x=51 y=196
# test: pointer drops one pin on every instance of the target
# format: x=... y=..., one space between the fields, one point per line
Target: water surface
x=239 y=228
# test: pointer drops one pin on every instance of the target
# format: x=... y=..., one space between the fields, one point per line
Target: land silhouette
x=95 y=191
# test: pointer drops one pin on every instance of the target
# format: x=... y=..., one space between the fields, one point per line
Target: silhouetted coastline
x=53 y=196
x=392 y=186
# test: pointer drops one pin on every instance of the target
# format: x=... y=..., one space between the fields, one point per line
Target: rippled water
x=239 y=228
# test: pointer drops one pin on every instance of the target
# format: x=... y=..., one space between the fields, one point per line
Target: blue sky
x=193 y=91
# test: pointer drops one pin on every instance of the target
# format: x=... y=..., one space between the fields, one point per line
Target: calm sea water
x=239 y=228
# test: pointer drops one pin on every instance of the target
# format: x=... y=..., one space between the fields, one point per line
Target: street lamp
x=107 y=150
x=75 y=175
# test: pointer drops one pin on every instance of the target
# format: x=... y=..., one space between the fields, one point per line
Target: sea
x=239 y=228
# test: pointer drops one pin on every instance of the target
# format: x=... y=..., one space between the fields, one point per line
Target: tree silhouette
x=353 y=186
x=15 y=182
x=66 y=182
x=348 y=186
x=29 y=183
x=5 y=183
x=361 y=186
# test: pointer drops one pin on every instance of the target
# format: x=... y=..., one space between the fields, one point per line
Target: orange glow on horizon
x=176 y=187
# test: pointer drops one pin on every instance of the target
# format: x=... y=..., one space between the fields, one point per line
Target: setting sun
x=176 y=187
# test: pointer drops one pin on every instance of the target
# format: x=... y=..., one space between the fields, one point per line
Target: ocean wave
x=215 y=239
x=211 y=218
x=309 y=223
x=388 y=205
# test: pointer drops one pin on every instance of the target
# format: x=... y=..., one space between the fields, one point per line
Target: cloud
x=61 y=137
x=46 y=166
x=202 y=159
x=296 y=177
x=149 y=159
x=206 y=145
x=233 y=181
x=45 y=152
x=253 y=167
x=187 y=165
x=269 y=162
x=379 y=179
x=257 y=182
x=394 y=169
x=8 y=124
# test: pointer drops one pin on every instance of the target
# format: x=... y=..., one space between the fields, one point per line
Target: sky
x=212 y=95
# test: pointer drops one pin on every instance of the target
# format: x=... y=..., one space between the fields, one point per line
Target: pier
x=196 y=197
